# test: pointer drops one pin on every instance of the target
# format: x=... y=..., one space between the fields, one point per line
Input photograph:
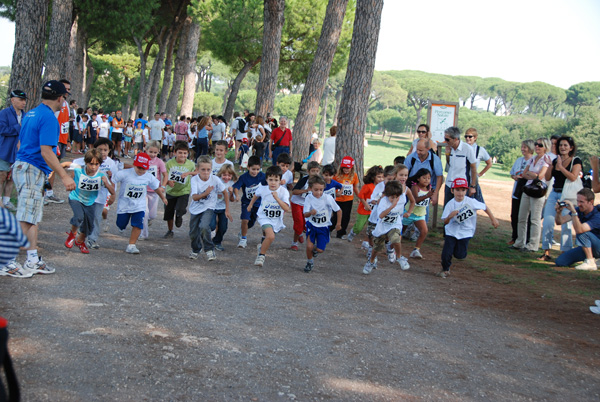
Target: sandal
x=544 y=257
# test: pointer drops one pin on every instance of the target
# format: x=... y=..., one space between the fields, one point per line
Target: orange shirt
x=63 y=121
x=365 y=194
x=347 y=191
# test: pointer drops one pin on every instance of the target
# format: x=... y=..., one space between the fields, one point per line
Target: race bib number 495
x=347 y=189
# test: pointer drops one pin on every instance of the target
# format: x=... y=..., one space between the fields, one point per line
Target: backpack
x=241 y=125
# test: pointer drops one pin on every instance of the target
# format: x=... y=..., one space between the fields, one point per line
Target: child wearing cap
x=348 y=178
x=132 y=197
x=460 y=218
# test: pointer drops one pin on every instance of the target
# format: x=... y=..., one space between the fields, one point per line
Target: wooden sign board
x=440 y=116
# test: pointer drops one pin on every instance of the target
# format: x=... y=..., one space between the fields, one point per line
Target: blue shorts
x=137 y=220
x=319 y=236
x=249 y=216
x=412 y=219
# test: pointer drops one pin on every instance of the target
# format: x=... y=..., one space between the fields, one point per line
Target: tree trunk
x=88 y=79
x=130 y=83
x=317 y=77
x=60 y=33
x=159 y=63
x=338 y=100
x=271 y=51
x=164 y=93
x=190 y=76
x=28 y=54
x=235 y=87
x=76 y=63
x=489 y=103
x=323 y=123
x=357 y=85
x=171 y=107
x=142 y=86
x=225 y=97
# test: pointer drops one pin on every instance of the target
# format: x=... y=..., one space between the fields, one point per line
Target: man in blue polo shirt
x=586 y=222
x=35 y=160
x=10 y=126
x=422 y=158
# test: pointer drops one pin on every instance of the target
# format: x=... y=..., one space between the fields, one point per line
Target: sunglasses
x=537 y=144
x=422 y=131
x=468 y=136
x=447 y=139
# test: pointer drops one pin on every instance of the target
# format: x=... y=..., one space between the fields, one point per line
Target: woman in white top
x=531 y=208
x=527 y=149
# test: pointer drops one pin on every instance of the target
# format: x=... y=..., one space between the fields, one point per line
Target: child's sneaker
x=39 y=267
x=294 y=246
x=369 y=252
x=219 y=247
x=404 y=265
x=210 y=254
x=243 y=242
x=309 y=266
x=92 y=244
x=192 y=255
x=260 y=261
x=178 y=221
x=587 y=265
x=351 y=235
x=82 y=247
x=391 y=254
x=365 y=245
x=132 y=249
x=106 y=226
x=70 y=240
x=443 y=274
x=416 y=254
x=169 y=234
x=14 y=269
x=367 y=268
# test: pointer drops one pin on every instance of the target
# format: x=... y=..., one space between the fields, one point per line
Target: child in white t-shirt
x=132 y=197
x=287 y=176
x=228 y=177
x=204 y=194
x=219 y=161
x=460 y=218
x=275 y=200
x=317 y=211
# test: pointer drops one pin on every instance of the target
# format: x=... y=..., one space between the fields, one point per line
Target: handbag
x=519 y=188
x=571 y=188
x=536 y=189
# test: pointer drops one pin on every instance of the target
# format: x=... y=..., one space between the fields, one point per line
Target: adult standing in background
x=329 y=147
x=118 y=125
x=10 y=126
x=461 y=163
x=181 y=129
x=35 y=160
x=238 y=131
x=527 y=149
x=480 y=155
x=423 y=158
x=156 y=128
x=281 y=140
x=218 y=131
x=141 y=119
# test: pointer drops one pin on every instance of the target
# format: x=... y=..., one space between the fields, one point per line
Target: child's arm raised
x=449 y=217
x=387 y=211
x=281 y=203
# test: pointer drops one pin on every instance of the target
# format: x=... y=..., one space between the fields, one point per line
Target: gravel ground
x=158 y=326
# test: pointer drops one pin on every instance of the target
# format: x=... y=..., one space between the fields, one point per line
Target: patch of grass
x=503 y=279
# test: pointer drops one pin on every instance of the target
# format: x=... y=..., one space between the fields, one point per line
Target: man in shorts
x=35 y=160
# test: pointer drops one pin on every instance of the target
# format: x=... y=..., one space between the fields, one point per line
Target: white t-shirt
x=132 y=191
x=217 y=166
x=155 y=127
x=107 y=166
x=375 y=197
x=172 y=139
x=482 y=156
x=393 y=220
x=288 y=176
x=460 y=159
x=463 y=225
x=198 y=187
x=104 y=129
x=221 y=197
x=328 y=151
x=324 y=206
x=218 y=131
x=270 y=212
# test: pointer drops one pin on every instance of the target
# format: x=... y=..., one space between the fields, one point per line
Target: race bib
x=64 y=128
x=330 y=192
x=175 y=176
x=135 y=192
x=251 y=190
x=465 y=213
x=153 y=170
x=272 y=211
x=347 y=190
x=391 y=218
x=88 y=183
x=319 y=218
x=423 y=203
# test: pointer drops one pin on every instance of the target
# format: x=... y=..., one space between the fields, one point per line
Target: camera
x=562 y=204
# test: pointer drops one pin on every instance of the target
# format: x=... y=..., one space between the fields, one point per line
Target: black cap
x=54 y=88
x=17 y=93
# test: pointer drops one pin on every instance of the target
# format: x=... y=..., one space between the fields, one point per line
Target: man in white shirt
x=329 y=147
x=156 y=128
x=461 y=163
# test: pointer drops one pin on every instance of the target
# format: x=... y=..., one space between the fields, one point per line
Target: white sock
x=5 y=200
x=49 y=193
x=32 y=256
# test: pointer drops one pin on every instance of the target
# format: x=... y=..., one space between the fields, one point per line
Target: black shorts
x=116 y=137
x=176 y=204
x=165 y=150
x=91 y=139
x=76 y=136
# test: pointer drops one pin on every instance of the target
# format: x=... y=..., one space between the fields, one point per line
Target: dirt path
x=158 y=326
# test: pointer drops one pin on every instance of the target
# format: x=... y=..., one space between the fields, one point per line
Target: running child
x=157 y=169
x=389 y=224
x=389 y=173
x=422 y=192
x=460 y=220
x=299 y=193
x=318 y=208
x=104 y=127
x=258 y=147
x=128 y=137
x=275 y=200
x=138 y=138
x=373 y=177
x=178 y=186
x=228 y=177
x=332 y=187
x=248 y=183
x=165 y=143
x=287 y=176
x=82 y=200
x=132 y=197
x=219 y=161
x=205 y=189
x=348 y=178
x=92 y=134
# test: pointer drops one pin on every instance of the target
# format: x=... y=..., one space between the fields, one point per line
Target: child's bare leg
x=398 y=249
x=269 y=237
x=309 y=248
x=244 y=227
x=135 y=233
x=422 y=226
x=170 y=225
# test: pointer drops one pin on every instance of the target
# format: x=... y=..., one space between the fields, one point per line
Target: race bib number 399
x=272 y=211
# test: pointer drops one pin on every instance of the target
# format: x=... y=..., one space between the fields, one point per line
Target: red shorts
x=298 y=215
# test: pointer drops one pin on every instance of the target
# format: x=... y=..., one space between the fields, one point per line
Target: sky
x=554 y=41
